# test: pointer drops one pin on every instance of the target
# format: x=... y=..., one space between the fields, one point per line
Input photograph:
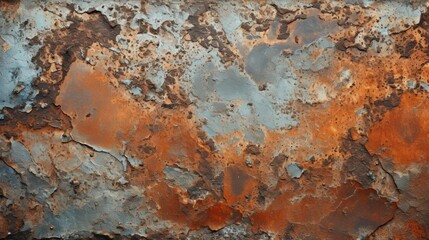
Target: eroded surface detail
x=209 y=120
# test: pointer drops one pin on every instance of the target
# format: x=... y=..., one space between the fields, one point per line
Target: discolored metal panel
x=214 y=119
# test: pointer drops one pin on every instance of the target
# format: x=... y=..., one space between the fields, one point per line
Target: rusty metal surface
x=214 y=119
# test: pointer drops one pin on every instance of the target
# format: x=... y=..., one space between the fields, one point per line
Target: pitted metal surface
x=214 y=119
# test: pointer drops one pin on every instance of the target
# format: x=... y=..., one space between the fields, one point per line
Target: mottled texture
x=214 y=119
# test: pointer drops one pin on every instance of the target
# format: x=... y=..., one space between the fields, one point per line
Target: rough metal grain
x=214 y=119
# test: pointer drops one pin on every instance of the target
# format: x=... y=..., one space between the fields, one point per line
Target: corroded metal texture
x=214 y=120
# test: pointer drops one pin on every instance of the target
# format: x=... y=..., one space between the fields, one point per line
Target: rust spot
x=402 y=134
x=347 y=210
x=360 y=213
x=219 y=215
x=172 y=206
x=87 y=92
x=168 y=204
x=416 y=230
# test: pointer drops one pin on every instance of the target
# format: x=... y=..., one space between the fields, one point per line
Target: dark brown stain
x=253 y=149
x=201 y=33
x=237 y=179
x=237 y=184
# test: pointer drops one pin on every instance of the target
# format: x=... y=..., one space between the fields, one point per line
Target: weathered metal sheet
x=214 y=120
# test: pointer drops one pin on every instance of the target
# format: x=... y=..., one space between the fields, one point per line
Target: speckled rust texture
x=214 y=119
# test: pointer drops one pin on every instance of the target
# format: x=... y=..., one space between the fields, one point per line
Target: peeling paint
x=208 y=120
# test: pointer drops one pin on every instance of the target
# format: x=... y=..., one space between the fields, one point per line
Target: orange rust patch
x=172 y=206
x=418 y=231
x=106 y=117
x=361 y=212
x=168 y=203
x=101 y=116
x=219 y=214
x=172 y=140
x=274 y=218
x=175 y=138
x=403 y=133
x=285 y=209
x=342 y=211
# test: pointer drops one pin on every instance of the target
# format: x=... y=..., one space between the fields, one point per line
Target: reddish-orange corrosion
x=285 y=209
x=168 y=203
x=4 y=225
x=109 y=119
x=417 y=231
x=228 y=182
x=342 y=211
x=100 y=116
x=363 y=211
x=220 y=214
x=174 y=207
x=402 y=135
